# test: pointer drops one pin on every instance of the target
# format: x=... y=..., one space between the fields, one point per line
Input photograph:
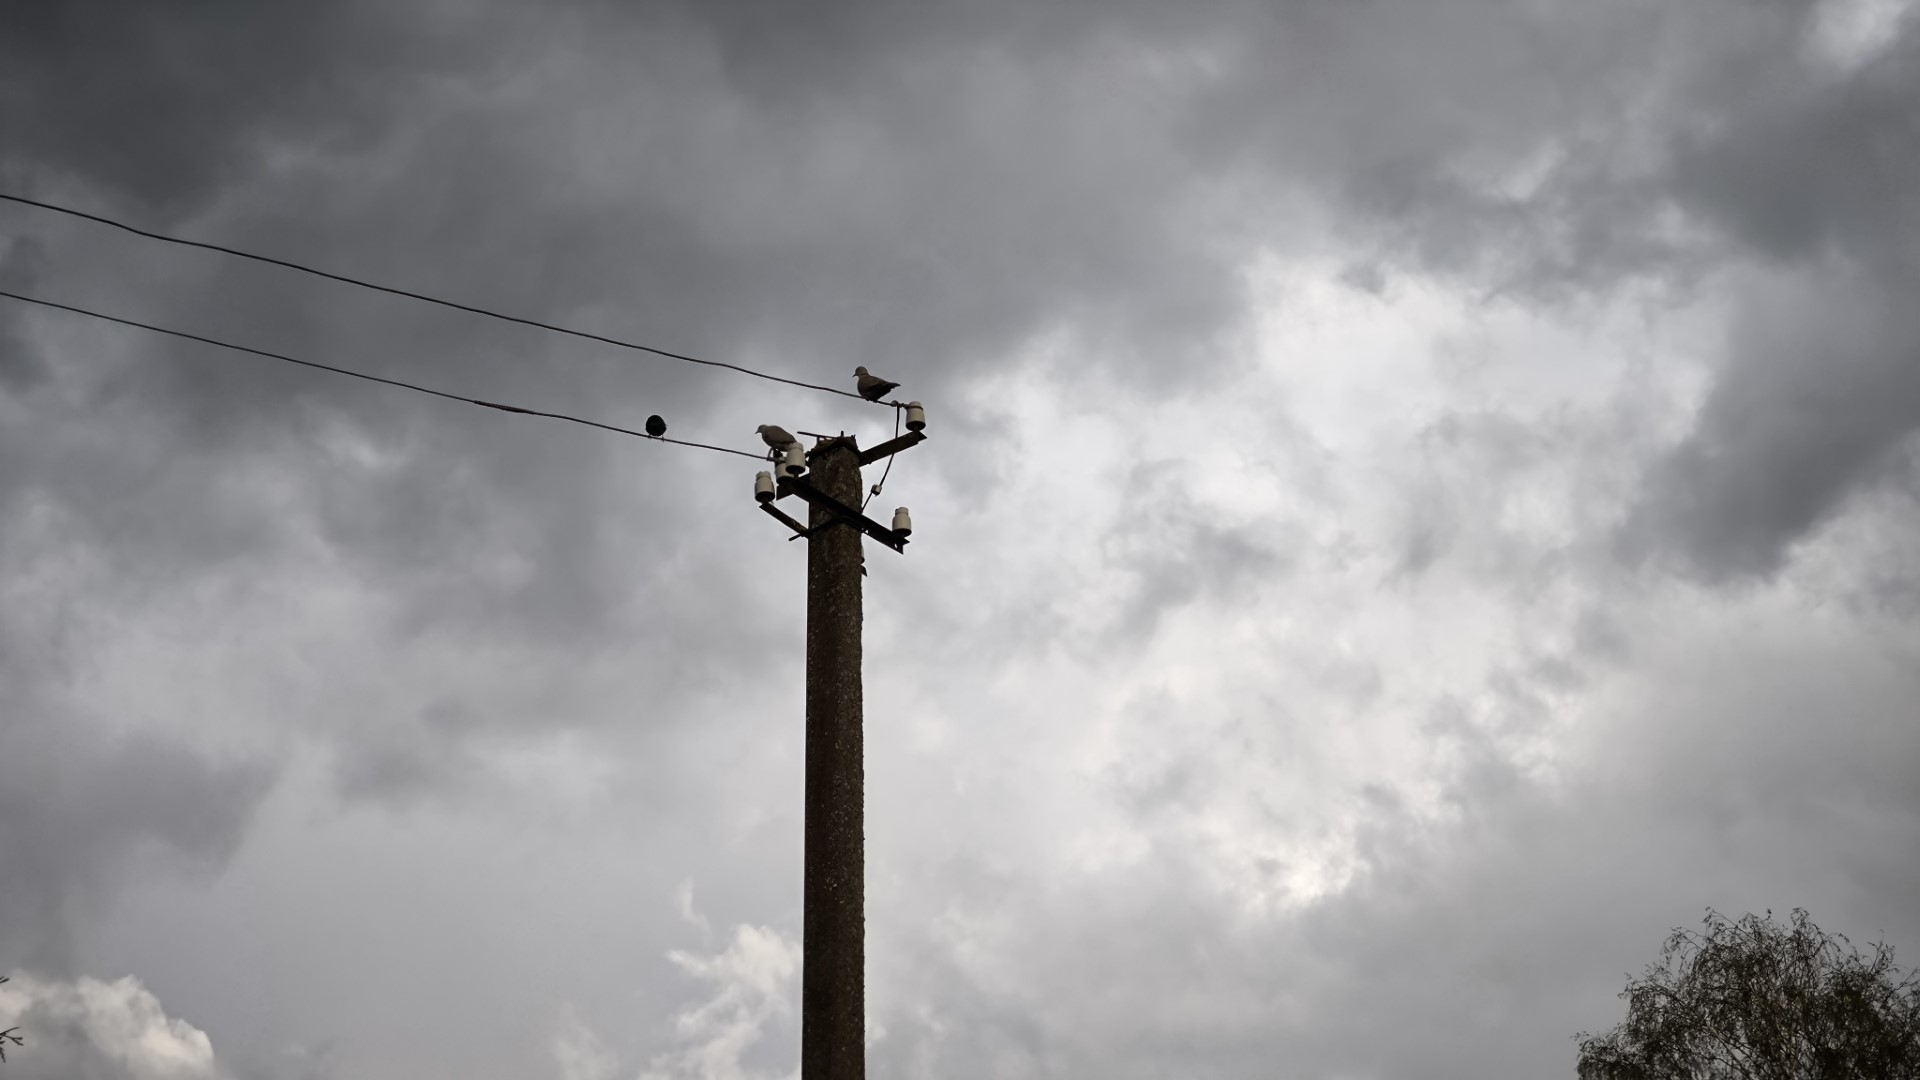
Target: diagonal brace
x=784 y=518
x=847 y=515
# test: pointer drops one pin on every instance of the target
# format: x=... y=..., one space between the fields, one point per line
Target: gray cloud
x=1815 y=174
x=927 y=190
x=1473 y=944
x=168 y=107
x=1654 y=147
x=85 y=811
x=1178 y=553
x=1819 y=389
x=20 y=367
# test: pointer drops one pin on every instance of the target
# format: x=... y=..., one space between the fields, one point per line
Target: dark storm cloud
x=1823 y=381
x=1650 y=145
x=922 y=261
x=166 y=104
x=918 y=192
x=1798 y=160
x=1659 y=148
x=919 y=188
x=920 y=218
x=84 y=808
x=1410 y=119
x=1818 y=176
x=1741 y=148
x=21 y=367
x=167 y=112
x=999 y=184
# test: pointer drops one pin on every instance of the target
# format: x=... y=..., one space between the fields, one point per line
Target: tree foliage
x=11 y=1035
x=1752 y=1000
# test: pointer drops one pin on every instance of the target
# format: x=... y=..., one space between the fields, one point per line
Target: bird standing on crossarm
x=872 y=387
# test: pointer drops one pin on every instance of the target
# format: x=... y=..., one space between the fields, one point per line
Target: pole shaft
x=833 y=945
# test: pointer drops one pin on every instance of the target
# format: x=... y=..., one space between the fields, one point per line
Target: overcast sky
x=1421 y=500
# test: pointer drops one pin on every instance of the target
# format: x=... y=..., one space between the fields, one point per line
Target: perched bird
x=873 y=387
x=656 y=427
x=777 y=437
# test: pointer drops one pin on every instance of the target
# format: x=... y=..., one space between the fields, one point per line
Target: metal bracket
x=845 y=514
x=894 y=446
x=785 y=519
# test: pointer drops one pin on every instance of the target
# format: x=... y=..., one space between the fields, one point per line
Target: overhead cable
x=457 y=306
x=369 y=378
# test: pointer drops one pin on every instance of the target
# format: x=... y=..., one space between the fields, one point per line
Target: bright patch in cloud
x=88 y=1029
x=1849 y=33
x=752 y=982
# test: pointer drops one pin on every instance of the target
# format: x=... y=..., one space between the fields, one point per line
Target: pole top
x=835 y=442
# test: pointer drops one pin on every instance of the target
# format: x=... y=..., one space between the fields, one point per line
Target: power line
x=537 y=324
x=886 y=472
x=370 y=378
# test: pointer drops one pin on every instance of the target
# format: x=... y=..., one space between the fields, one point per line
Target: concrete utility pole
x=833 y=934
x=833 y=951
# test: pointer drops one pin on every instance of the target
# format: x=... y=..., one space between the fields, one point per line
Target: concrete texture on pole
x=833 y=895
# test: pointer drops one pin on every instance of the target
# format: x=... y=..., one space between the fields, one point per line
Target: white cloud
x=87 y=1029
x=578 y=1050
x=753 y=980
x=683 y=903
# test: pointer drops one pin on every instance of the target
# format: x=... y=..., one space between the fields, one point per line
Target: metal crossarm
x=847 y=514
x=891 y=447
